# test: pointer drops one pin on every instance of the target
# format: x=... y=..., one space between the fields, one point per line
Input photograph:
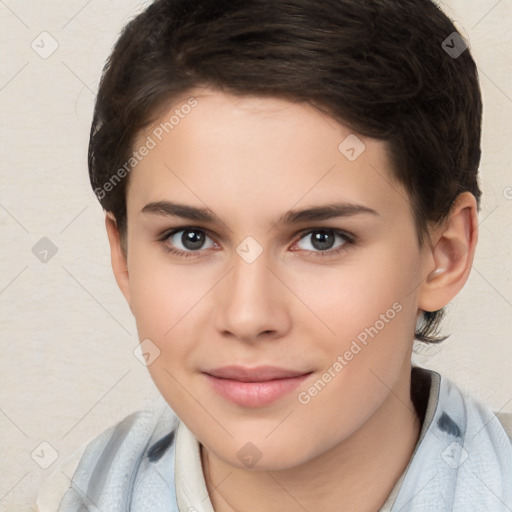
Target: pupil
x=192 y=239
x=323 y=240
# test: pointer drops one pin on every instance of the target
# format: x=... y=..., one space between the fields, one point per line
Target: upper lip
x=257 y=374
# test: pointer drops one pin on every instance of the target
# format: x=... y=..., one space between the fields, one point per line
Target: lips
x=258 y=374
x=254 y=387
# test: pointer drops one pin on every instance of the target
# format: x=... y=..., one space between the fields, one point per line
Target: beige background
x=67 y=367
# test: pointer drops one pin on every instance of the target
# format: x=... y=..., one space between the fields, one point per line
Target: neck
x=374 y=457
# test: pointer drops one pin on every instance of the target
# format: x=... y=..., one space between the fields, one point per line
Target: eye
x=190 y=241
x=323 y=240
x=186 y=241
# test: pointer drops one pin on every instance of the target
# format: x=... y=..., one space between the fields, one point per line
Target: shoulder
x=136 y=430
x=432 y=391
x=478 y=414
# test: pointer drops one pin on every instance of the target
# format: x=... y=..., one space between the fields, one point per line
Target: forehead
x=255 y=155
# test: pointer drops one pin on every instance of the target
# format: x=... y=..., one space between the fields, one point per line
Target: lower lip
x=255 y=394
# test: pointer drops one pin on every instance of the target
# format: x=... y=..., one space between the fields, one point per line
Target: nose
x=252 y=302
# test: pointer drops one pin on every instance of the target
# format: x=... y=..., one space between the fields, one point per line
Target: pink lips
x=254 y=387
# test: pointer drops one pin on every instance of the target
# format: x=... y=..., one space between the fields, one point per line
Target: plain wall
x=67 y=366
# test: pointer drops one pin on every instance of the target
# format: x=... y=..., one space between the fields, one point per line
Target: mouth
x=254 y=387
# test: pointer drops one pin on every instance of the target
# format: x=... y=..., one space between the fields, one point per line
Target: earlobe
x=118 y=257
x=452 y=253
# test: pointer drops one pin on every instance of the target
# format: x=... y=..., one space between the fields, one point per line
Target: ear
x=451 y=255
x=118 y=257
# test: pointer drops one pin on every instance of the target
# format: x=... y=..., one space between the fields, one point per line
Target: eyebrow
x=315 y=213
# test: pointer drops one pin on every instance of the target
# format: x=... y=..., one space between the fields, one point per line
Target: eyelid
x=349 y=236
x=170 y=232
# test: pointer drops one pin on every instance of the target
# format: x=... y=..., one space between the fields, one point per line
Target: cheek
x=161 y=293
x=368 y=318
x=373 y=319
x=343 y=300
x=166 y=303
x=170 y=303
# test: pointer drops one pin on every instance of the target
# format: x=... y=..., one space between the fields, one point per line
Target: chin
x=260 y=456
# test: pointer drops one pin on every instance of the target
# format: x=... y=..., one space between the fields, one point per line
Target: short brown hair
x=379 y=67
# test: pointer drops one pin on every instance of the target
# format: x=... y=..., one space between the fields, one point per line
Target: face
x=329 y=295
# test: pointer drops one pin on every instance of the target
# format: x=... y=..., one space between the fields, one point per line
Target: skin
x=250 y=160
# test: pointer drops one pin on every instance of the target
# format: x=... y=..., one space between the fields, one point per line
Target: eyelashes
x=347 y=238
x=169 y=248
